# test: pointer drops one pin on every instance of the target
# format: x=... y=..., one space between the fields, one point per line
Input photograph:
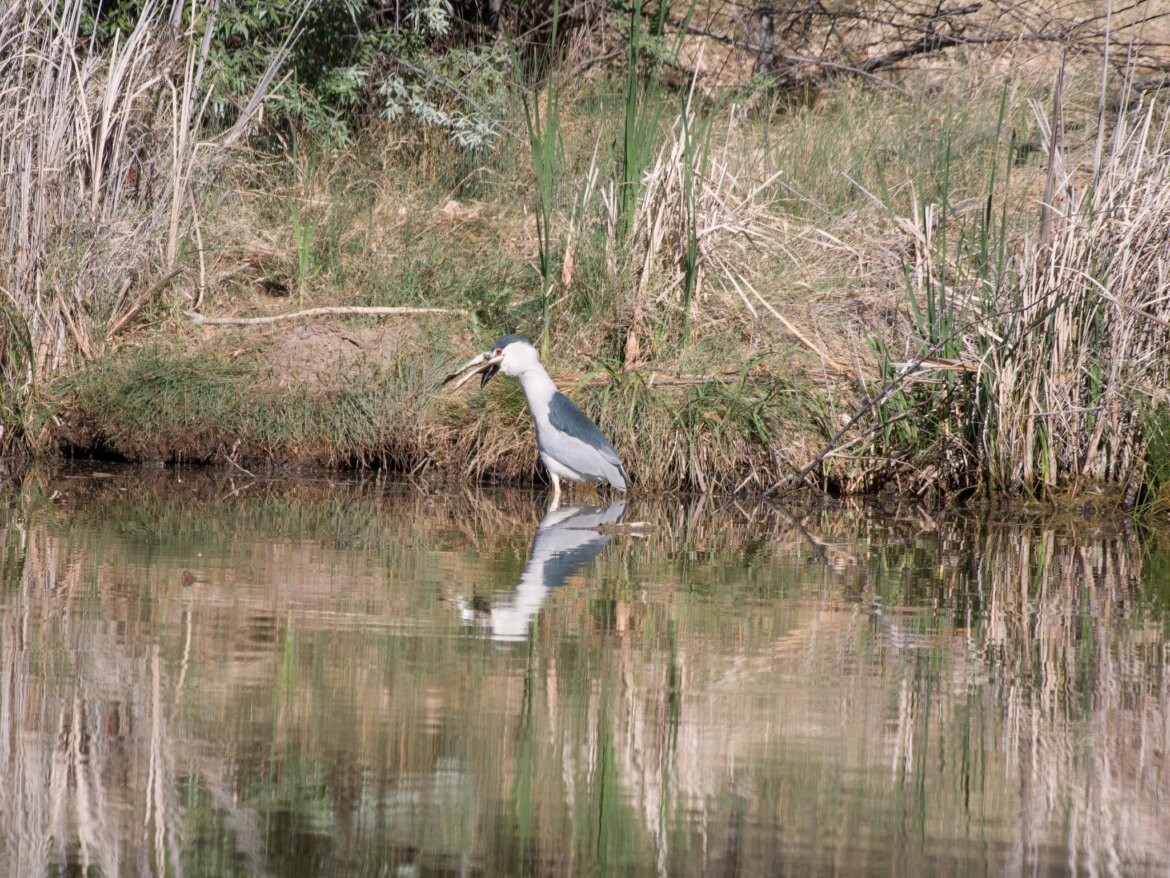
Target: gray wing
x=568 y=419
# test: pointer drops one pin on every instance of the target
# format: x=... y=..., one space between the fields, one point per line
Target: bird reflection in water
x=567 y=540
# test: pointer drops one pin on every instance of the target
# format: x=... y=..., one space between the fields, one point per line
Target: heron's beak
x=489 y=373
x=483 y=363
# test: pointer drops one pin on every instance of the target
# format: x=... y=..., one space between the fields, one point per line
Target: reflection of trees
x=856 y=689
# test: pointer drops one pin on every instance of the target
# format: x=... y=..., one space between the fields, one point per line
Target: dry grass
x=1081 y=377
x=1022 y=355
x=104 y=161
x=90 y=143
x=703 y=231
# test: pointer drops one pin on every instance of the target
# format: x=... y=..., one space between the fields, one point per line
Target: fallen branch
x=317 y=312
x=655 y=379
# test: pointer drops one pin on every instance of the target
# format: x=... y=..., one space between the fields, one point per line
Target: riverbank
x=918 y=284
x=364 y=393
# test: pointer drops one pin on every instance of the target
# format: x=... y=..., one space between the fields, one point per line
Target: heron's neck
x=537 y=385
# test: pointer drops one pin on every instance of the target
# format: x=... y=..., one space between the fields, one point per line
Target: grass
x=1035 y=350
x=165 y=403
x=852 y=290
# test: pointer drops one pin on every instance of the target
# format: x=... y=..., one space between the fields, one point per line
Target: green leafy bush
x=346 y=61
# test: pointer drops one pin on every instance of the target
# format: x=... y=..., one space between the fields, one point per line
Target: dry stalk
x=1086 y=357
x=733 y=227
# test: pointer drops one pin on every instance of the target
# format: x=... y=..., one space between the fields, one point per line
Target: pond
x=207 y=674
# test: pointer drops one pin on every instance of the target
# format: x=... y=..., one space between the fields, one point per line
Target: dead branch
x=943 y=29
x=931 y=41
x=373 y=311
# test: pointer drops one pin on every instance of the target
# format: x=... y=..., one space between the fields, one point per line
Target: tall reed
x=1038 y=363
x=103 y=152
x=643 y=115
x=1080 y=379
x=955 y=273
x=544 y=141
x=703 y=228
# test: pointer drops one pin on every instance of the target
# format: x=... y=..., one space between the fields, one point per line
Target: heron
x=571 y=446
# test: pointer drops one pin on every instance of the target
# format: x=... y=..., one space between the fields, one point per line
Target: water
x=208 y=676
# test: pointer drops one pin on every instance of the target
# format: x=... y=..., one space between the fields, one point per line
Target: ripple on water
x=348 y=678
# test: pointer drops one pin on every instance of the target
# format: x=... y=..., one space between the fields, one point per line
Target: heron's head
x=512 y=355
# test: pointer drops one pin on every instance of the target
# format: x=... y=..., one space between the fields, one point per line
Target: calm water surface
x=205 y=676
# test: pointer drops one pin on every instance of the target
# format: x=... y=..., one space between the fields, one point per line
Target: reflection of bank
x=566 y=541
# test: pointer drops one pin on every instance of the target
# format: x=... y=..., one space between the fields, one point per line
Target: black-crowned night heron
x=571 y=446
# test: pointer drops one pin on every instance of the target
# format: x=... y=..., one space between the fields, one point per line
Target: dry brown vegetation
x=925 y=256
x=105 y=174
x=1087 y=368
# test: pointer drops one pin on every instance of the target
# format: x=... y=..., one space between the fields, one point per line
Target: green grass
x=714 y=436
x=166 y=403
x=833 y=155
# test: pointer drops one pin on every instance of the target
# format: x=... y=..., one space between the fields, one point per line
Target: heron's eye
x=499 y=351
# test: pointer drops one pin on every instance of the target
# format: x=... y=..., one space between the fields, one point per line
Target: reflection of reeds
x=1057 y=617
x=59 y=758
x=731 y=685
x=1020 y=677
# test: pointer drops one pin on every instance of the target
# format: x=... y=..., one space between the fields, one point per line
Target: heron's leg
x=556 y=497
